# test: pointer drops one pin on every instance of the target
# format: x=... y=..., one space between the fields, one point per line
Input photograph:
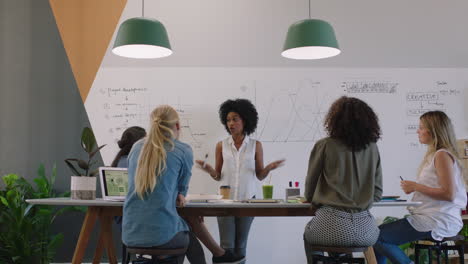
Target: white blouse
x=239 y=168
x=442 y=217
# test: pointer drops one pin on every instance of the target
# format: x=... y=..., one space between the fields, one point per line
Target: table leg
x=99 y=247
x=370 y=256
x=86 y=228
x=106 y=226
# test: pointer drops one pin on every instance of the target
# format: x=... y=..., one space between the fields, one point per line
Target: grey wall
x=41 y=112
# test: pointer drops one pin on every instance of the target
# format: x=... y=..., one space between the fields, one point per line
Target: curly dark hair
x=129 y=137
x=246 y=111
x=353 y=122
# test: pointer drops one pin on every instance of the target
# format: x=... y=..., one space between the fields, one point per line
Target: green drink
x=267 y=191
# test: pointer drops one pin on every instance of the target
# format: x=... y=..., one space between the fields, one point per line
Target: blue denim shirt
x=154 y=221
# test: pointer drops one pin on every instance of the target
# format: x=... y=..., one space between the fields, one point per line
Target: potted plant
x=83 y=183
x=25 y=229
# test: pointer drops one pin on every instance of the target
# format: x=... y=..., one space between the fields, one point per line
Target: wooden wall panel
x=86 y=27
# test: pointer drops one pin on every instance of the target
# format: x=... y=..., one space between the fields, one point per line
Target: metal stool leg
x=445 y=251
x=125 y=257
x=417 y=248
x=461 y=253
x=438 y=255
x=429 y=253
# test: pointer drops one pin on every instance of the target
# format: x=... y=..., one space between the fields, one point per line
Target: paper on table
x=263 y=201
x=203 y=197
x=221 y=201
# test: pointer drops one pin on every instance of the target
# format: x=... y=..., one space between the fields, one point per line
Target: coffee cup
x=225 y=191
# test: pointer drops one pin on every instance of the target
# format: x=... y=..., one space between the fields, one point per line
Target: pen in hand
x=401 y=178
x=204 y=161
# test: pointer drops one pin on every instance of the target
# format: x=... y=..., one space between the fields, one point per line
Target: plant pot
x=83 y=187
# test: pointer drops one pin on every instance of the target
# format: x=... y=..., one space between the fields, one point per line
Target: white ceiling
x=250 y=33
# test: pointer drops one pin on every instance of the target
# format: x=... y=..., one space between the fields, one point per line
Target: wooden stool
x=154 y=252
x=368 y=252
x=440 y=246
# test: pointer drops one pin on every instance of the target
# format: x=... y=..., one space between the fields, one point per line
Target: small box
x=292 y=193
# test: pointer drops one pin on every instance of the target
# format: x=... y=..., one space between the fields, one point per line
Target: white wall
x=251 y=33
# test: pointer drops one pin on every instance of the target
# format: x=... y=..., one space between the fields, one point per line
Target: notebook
x=114 y=183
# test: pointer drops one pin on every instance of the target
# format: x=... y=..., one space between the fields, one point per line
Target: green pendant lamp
x=142 y=38
x=310 y=39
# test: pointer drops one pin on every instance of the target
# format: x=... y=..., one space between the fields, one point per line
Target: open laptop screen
x=114 y=182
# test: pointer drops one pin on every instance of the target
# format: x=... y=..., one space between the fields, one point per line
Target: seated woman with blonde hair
x=159 y=171
x=439 y=186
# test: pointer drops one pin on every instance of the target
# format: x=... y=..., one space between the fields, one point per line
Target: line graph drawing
x=292 y=114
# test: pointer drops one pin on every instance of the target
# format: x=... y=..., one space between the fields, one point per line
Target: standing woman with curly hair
x=440 y=188
x=344 y=178
x=239 y=164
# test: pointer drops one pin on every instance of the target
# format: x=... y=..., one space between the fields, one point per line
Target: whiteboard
x=291 y=103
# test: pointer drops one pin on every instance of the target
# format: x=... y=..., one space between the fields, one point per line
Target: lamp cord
x=309 y=9
x=143 y=8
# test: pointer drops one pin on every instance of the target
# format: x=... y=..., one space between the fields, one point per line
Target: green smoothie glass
x=267 y=191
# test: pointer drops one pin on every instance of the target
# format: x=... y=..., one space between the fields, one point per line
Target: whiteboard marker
x=204 y=161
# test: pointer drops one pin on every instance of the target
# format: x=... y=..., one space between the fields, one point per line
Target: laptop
x=114 y=183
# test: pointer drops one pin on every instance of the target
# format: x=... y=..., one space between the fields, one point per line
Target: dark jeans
x=234 y=232
x=180 y=240
x=195 y=254
x=391 y=236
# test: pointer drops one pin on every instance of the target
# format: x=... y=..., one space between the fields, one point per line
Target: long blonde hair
x=443 y=135
x=153 y=155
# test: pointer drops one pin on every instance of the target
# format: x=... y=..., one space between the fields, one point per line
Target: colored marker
x=401 y=178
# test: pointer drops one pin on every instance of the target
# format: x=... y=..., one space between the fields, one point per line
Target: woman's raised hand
x=275 y=164
x=203 y=165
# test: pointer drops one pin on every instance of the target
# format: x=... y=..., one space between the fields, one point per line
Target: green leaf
x=83 y=164
x=65 y=194
x=91 y=155
x=4 y=201
x=54 y=174
x=390 y=219
x=72 y=168
x=12 y=195
x=42 y=184
x=44 y=212
x=82 y=209
x=10 y=179
x=41 y=171
x=54 y=243
x=87 y=140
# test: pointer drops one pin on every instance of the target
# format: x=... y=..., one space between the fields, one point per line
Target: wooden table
x=104 y=211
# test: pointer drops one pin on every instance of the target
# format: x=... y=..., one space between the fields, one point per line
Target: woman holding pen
x=239 y=164
x=439 y=186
